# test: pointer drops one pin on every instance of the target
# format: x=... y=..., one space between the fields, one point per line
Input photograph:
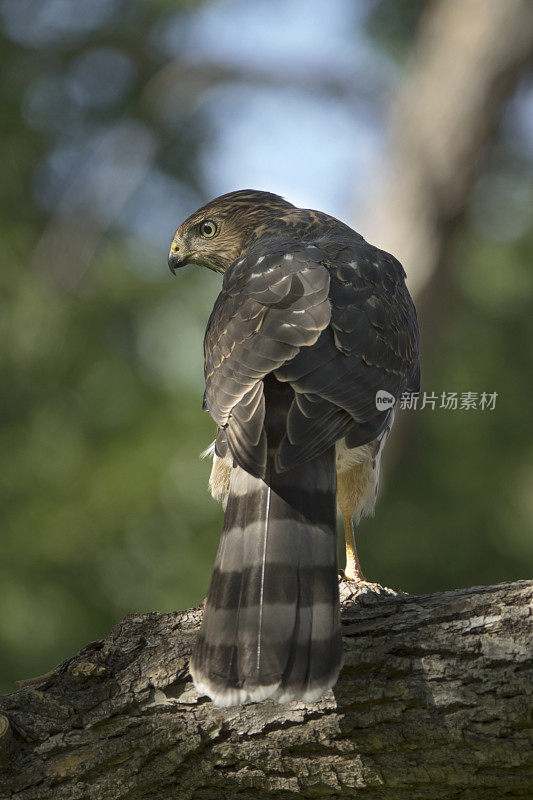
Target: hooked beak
x=176 y=260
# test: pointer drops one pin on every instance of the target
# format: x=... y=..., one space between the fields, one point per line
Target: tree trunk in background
x=466 y=60
x=434 y=701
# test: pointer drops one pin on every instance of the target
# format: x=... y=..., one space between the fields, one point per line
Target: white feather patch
x=209 y=451
x=257 y=694
x=235 y=697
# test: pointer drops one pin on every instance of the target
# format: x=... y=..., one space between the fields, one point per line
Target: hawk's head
x=216 y=234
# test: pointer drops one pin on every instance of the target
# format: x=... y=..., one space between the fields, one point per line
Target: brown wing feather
x=334 y=321
x=271 y=305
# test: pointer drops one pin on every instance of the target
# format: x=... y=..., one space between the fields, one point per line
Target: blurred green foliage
x=103 y=493
x=104 y=500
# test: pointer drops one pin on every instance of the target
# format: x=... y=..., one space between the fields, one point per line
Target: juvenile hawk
x=311 y=323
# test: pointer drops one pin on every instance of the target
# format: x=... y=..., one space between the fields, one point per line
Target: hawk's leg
x=352 y=570
x=356 y=490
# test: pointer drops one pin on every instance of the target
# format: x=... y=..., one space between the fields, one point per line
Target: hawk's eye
x=208 y=229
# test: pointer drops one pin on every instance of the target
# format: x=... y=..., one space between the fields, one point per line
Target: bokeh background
x=411 y=120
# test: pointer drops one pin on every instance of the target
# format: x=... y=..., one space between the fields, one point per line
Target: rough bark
x=434 y=701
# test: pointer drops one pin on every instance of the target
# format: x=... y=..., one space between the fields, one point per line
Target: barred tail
x=271 y=625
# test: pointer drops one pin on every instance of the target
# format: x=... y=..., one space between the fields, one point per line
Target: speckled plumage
x=310 y=323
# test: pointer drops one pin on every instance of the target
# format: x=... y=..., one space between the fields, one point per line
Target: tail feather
x=271 y=625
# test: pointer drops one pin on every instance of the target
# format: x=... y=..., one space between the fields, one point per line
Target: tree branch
x=434 y=701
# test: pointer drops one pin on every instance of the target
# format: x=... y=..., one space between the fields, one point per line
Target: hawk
x=312 y=327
